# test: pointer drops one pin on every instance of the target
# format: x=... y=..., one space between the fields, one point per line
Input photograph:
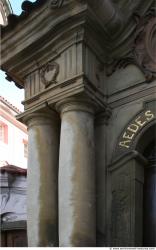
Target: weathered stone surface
x=60 y=52
x=77 y=208
x=127 y=200
x=42 y=204
x=143 y=51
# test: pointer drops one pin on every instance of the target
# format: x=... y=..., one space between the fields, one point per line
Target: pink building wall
x=13 y=136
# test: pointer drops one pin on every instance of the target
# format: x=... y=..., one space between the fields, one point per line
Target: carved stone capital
x=76 y=104
x=47 y=117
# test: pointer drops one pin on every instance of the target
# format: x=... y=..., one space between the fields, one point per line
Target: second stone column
x=77 y=213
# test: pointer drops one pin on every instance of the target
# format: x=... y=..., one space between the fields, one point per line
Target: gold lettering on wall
x=135 y=127
x=149 y=115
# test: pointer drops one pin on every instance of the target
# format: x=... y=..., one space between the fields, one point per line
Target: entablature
x=112 y=21
x=58 y=48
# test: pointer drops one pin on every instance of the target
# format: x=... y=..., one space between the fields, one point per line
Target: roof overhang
x=47 y=27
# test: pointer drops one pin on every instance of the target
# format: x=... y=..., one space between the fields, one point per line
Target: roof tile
x=13 y=170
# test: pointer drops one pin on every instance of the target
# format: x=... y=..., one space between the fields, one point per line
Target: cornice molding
x=104 y=25
x=122 y=160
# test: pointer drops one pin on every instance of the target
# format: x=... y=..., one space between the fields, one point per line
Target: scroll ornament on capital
x=143 y=53
x=49 y=73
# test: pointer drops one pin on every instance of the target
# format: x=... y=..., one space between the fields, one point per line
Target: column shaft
x=77 y=224
x=42 y=195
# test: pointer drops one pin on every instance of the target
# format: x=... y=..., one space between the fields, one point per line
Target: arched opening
x=147 y=147
x=149 y=197
x=133 y=192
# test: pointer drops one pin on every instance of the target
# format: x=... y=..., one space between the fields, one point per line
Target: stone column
x=77 y=213
x=42 y=194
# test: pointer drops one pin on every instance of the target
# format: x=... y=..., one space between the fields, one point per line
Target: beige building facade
x=88 y=70
x=5 y=10
x=13 y=136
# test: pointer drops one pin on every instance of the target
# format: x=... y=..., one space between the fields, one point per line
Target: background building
x=5 y=10
x=13 y=153
x=13 y=136
x=13 y=206
x=13 y=180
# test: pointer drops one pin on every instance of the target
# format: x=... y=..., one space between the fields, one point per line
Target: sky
x=8 y=89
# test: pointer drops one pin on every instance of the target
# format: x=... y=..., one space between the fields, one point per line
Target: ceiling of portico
x=124 y=14
x=125 y=8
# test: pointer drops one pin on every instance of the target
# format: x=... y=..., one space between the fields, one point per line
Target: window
x=3 y=133
x=25 y=148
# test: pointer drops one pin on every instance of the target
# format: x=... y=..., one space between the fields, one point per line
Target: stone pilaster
x=42 y=201
x=77 y=212
x=101 y=123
